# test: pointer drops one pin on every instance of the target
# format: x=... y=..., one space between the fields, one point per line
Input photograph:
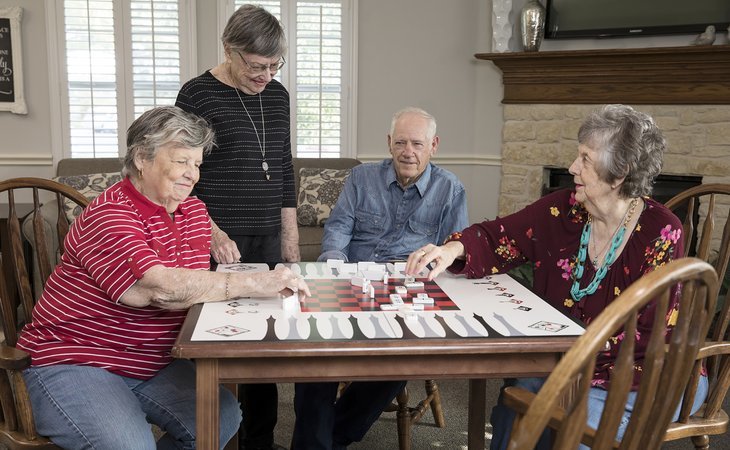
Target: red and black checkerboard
x=335 y=295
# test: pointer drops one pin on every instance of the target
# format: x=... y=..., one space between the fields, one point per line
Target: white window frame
x=58 y=89
x=348 y=142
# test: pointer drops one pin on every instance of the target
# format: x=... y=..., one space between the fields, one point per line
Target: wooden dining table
x=450 y=357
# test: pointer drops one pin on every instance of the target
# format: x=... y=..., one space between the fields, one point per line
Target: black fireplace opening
x=665 y=186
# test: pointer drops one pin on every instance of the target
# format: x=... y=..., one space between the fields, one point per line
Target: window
x=318 y=72
x=118 y=58
x=122 y=57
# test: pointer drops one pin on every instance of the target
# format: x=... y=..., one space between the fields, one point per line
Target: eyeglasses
x=258 y=69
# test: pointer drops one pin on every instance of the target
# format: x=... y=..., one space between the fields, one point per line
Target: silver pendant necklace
x=262 y=147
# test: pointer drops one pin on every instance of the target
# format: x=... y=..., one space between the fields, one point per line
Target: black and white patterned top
x=233 y=183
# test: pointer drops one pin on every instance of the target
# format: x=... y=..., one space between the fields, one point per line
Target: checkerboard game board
x=335 y=295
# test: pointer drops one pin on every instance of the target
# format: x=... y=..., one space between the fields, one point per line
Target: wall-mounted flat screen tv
x=614 y=18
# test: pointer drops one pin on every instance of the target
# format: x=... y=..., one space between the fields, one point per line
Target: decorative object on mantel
x=501 y=25
x=532 y=25
x=706 y=38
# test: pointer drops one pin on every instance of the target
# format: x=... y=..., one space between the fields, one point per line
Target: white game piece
x=358 y=281
x=362 y=266
x=385 y=278
x=390 y=267
x=410 y=279
x=402 y=290
x=372 y=291
x=418 y=307
x=348 y=268
x=411 y=316
x=423 y=301
x=388 y=307
x=376 y=268
x=396 y=299
x=422 y=295
x=335 y=263
x=372 y=275
x=413 y=284
x=366 y=286
x=400 y=266
x=291 y=303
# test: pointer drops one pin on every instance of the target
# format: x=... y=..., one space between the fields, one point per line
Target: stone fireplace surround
x=548 y=94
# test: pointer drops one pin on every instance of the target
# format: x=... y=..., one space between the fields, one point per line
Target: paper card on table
x=243 y=267
x=548 y=326
x=227 y=330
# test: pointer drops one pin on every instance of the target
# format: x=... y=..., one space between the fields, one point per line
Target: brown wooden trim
x=662 y=76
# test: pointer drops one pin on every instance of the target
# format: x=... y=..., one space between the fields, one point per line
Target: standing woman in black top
x=247 y=181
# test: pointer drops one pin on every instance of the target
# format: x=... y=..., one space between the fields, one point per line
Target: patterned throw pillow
x=318 y=192
x=90 y=185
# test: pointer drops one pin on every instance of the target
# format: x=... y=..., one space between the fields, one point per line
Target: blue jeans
x=322 y=424
x=503 y=417
x=81 y=407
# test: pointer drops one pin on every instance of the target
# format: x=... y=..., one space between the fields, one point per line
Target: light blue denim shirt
x=374 y=219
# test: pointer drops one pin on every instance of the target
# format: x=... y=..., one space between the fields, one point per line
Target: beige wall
x=411 y=52
x=25 y=140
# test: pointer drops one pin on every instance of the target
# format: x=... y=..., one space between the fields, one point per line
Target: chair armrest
x=519 y=400
x=12 y=358
x=714 y=348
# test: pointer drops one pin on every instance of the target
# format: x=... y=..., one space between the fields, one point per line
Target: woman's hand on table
x=440 y=257
x=281 y=280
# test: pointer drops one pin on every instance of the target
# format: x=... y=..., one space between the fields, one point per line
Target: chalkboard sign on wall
x=11 y=61
x=7 y=88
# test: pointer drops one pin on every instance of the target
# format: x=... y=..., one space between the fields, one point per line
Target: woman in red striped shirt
x=135 y=260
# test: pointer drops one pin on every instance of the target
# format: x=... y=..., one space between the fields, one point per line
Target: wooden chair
x=17 y=299
x=668 y=366
x=700 y=208
x=703 y=210
x=407 y=416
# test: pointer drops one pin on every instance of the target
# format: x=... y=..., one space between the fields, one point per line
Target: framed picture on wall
x=11 y=61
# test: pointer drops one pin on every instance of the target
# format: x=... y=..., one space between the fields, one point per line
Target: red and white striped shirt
x=118 y=237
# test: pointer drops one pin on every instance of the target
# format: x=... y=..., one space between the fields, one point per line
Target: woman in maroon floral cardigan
x=586 y=244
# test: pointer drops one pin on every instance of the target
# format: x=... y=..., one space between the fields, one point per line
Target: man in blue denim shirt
x=385 y=211
x=389 y=209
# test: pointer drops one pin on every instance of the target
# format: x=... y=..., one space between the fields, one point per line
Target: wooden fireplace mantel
x=662 y=76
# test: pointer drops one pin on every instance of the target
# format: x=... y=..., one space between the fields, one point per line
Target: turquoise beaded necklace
x=575 y=291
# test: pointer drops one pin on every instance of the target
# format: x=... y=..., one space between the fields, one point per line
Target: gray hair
x=252 y=29
x=160 y=126
x=430 y=131
x=629 y=145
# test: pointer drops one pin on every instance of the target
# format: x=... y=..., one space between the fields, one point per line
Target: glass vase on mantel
x=532 y=25
x=502 y=26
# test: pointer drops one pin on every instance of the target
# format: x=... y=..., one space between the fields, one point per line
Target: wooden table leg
x=207 y=405
x=477 y=413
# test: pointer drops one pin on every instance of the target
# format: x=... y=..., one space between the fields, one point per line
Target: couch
x=321 y=180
